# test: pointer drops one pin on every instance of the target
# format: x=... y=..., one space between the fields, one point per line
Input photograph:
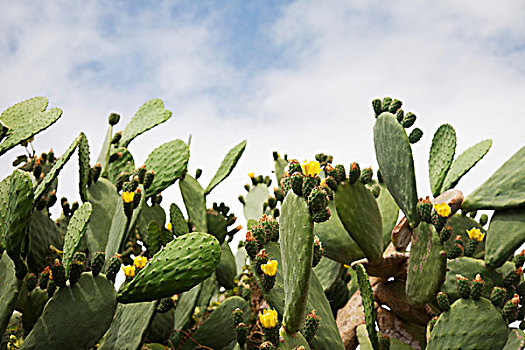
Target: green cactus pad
x=217 y=225
x=441 y=156
x=297 y=240
x=464 y=162
x=168 y=161
x=327 y=336
x=179 y=225
x=516 y=340
x=75 y=231
x=394 y=156
x=505 y=235
x=20 y=206
x=105 y=199
x=43 y=232
x=363 y=338
x=84 y=167
x=161 y=327
x=368 y=304
x=4 y=204
x=117 y=231
x=218 y=331
x=103 y=156
x=328 y=272
x=280 y=164
x=460 y=224
x=129 y=327
x=148 y=214
x=358 y=210
x=227 y=269
x=183 y=312
x=26 y=119
x=76 y=317
x=126 y=163
x=258 y=194
x=33 y=307
x=426 y=266
x=180 y=265
x=207 y=291
x=43 y=186
x=10 y=288
x=149 y=115
x=195 y=202
x=228 y=163
x=469 y=268
x=504 y=189
x=337 y=243
x=292 y=341
x=389 y=212
x=469 y=324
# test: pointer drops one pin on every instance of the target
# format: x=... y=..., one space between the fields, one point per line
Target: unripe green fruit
x=116 y=138
x=321 y=216
x=477 y=287
x=510 y=311
x=408 y=120
x=497 y=296
x=51 y=288
x=317 y=200
x=31 y=282
x=75 y=270
x=318 y=253
x=340 y=173
x=454 y=251
x=376 y=190
x=311 y=325
x=44 y=279
x=331 y=183
x=98 y=263
x=415 y=135
x=59 y=273
x=113 y=268
x=366 y=175
x=165 y=305
x=297 y=183
x=294 y=167
x=241 y=331
x=446 y=233
x=512 y=278
x=386 y=104
x=97 y=170
x=309 y=183
x=237 y=316
x=438 y=221
x=377 y=106
x=463 y=286
x=443 y=302
x=113 y=118
x=267 y=282
x=395 y=105
x=483 y=219
x=148 y=179
x=400 y=115
x=354 y=173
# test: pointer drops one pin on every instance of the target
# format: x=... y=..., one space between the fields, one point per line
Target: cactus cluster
x=333 y=257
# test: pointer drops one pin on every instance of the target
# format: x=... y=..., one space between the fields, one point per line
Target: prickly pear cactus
x=441 y=156
x=75 y=232
x=394 y=156
x=168 y=161
x=228 y=163
x=180 y=265
x=26 y=119
x=469 y=324
x=297 y=241
x=195 y=202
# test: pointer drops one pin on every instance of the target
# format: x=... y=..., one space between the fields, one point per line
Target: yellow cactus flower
x=251 y=175
x=476 y=234
x=270 y=268
x=311 y=169
x=268 y=318
x=169 y=226
x=127 y=197
x=140 y=261
x=346 y=266
x=129 y=271
x=442 y=209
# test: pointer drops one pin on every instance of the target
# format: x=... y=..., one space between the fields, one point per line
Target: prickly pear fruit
x=98 y=263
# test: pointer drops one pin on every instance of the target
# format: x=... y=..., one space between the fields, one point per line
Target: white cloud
x=449 y=62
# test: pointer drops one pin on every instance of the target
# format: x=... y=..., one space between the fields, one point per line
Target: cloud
x=294 y=77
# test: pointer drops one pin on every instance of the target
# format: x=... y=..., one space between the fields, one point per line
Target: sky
x=297 y=77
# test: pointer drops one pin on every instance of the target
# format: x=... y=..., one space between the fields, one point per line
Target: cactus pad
x=358 y=210
x=124 y=163
x=257 y=195
x=104 y=198
x=297 y=240
x=180 y=265
x=394 y=156
x=59 y=164
x=228 y=163
x=75 y=231
x=337 y=243
x=469 y=324
x=168 y=161
x=10 y=288
x=149 y=115
x=227 y=269
x=129 y=326
x=84 y=167
x=506 y=234
x=504 y=189
x=43 y=232
x=26 y=119
x=464 y=162
x=327 y=336
x=76 y=317
x=426 y=266
x=218 y=330
x=178 y=222
x=183 y=312
x=195 y=202
x=441 y=156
